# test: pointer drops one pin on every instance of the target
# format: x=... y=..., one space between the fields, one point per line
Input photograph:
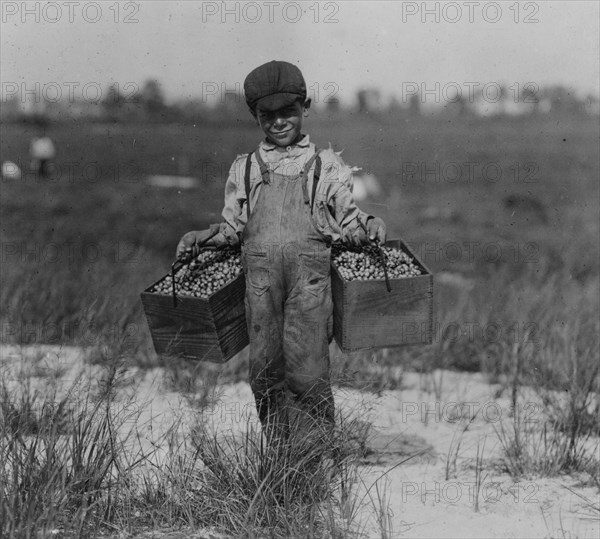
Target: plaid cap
x=274 y=85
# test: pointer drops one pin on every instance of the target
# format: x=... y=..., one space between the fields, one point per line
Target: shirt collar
x=267 y=146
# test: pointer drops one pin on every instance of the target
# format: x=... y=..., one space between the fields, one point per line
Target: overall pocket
x=257 y=272
x=316 y=271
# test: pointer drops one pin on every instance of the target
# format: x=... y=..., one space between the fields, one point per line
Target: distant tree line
x=148 y=104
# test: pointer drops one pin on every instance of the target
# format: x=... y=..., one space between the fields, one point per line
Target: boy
x=286 y=203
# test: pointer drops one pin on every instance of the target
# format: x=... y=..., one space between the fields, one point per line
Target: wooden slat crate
x=366 y=315
x=212 y=329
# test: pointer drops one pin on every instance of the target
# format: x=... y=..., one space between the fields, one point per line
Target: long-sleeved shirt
x=334 y=212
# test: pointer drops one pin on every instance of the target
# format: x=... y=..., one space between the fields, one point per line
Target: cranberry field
x=488 y=204
x=503 y=211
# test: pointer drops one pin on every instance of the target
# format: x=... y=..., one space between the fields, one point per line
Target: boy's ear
x=306 y=107
x=254 y=115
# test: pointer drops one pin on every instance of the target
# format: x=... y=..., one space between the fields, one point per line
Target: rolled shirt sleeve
x=234 y=208
x=336 y=189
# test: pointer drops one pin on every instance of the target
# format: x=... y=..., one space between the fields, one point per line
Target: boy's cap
x=274 y=85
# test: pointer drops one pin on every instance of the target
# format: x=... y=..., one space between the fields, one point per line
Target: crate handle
x=182 y=261
x=384 y=262
x=381 y=255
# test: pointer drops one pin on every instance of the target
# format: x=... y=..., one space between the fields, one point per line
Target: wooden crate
x=212 y=329
x=366 y=315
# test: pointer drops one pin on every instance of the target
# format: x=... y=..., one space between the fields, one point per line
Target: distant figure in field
x=10 y=171
x=42 y=153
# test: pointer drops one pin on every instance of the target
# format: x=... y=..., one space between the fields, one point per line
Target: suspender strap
x=316 y=177
x=247 y=182
x=264 y=169
x=307 y=167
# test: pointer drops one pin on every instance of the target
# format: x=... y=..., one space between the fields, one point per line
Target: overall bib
x=289 y=309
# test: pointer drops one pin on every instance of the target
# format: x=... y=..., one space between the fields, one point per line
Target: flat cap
x=274 y=85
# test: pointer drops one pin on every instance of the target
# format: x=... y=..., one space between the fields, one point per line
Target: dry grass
x=76 y=466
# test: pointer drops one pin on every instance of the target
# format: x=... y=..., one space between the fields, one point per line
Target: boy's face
x=283 y=126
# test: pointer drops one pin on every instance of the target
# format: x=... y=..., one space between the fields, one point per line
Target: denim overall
x=289 y=309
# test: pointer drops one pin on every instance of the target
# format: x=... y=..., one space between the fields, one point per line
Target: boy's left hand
x=376 y=230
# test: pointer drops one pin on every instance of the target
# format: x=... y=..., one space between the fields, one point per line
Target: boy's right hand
x=189 y=245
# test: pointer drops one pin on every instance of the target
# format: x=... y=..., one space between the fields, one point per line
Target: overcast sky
x=194 y=47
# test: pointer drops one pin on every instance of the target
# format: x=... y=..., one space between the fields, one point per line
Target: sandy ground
x=428 y=421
